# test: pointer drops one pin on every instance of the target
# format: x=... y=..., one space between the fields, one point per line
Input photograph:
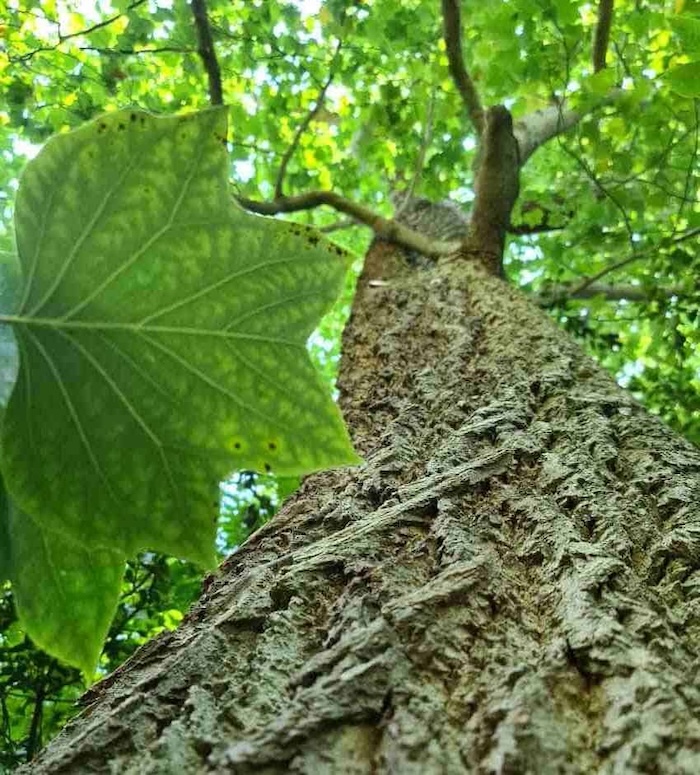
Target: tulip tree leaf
x=161 y=334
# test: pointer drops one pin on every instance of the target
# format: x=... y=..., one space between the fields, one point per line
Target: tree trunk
x=510 y=583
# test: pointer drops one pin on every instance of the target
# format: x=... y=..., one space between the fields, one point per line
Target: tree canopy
x=335 y=107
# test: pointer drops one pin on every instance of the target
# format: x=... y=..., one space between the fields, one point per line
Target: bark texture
x=510 y=583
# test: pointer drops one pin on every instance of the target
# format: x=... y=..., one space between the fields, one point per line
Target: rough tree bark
x=510 y=583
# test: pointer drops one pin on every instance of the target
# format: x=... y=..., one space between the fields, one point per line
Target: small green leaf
x=685 y=79
x=688 y=30
x=600 y=83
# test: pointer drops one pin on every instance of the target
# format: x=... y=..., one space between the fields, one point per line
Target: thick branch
x=602 y=34
x=453 y=43
x=557 y=293
x=207 y=53
x=535 y=129
x=279 y=184
x=496 y=187
x=383 y=227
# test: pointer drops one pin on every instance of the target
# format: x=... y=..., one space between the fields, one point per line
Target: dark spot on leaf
x=272 y=446
x=132 y=117
x=102 y=126
x=268 y=468
x=122 y=127
x=237 y=445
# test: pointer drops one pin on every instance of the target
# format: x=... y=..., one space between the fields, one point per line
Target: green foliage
x=38 y=693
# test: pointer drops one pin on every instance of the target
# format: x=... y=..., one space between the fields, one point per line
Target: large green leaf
x=162 y=337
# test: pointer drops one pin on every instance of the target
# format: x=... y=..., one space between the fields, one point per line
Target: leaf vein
x=129 y=262
x=74 y=414
x=155 y=439
x=208 y=380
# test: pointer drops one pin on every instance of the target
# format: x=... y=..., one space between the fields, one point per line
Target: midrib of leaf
x=63 y=328
x=59 y=324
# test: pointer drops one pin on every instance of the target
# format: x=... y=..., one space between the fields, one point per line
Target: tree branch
x=496 y=187
x=535 y=129
x=557 y=293
x=101 y=24
x=587 y=282
x=385 y=228
x=207 y=53
x=452 y=27
x=420 y=159
x=63 y=38
x=286 y=158
x=602 y=34
x=346 y=223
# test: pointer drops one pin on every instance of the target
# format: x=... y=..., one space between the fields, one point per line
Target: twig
x=286 y=158
x=347 y=223
x=557 y=293
x=420 y=159
x=63 y=38
x=602 y=34
x=538 y=228
x=207 y=53
x=687 y=188
x=629 y=259
x=602 y=188
x=138 y=51
x=452 y=28
x=100 y=25
x=383 y=227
